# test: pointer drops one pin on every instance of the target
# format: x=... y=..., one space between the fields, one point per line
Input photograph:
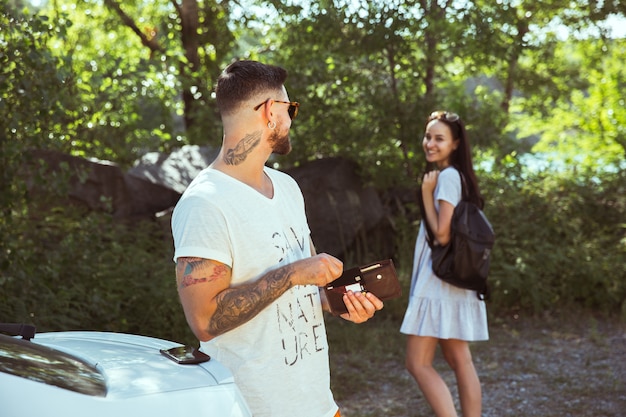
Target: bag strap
x=429 y=233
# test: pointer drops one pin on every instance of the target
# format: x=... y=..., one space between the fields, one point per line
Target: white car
x=98 y=374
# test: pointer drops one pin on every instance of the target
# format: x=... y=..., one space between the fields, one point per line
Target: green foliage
x=59 y=268
x=75 y=270
x=358 y=104
x=122 y=89
x=33 y=96
x=559 y=240
x=583 y=124
x=79 y=78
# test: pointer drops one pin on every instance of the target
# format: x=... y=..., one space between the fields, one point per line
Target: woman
x=439 y=313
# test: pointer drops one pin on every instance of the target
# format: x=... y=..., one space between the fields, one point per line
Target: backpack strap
x=464 y=192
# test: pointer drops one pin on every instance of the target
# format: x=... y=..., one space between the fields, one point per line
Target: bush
x=71 y=270
x=559 y=243
x=559 y=240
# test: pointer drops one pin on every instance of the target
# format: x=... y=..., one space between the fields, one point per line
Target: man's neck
x=250 y=172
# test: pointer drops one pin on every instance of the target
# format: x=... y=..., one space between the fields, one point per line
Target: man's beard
x=281 y=143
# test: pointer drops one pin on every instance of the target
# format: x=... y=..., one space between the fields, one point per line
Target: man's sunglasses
x=293 y=107
x=445 y=115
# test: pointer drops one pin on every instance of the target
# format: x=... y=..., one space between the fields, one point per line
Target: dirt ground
x=571 y=365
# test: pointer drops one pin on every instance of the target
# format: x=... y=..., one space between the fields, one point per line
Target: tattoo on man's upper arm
x=193 y=271
x=244 y=147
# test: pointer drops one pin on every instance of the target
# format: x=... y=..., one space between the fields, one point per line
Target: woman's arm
x=439 y=222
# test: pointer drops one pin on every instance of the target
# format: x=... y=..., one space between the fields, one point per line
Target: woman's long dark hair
x=461 y=158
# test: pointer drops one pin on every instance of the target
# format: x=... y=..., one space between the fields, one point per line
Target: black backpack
x=464 y=262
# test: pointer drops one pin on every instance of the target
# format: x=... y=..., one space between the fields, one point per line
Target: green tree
x=143 y=72
x=195 y=37
x=365 y=83
x=112 y=80
x=582 y=131
x=35 y=98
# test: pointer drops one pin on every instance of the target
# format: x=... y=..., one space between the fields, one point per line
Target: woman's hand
x=429 y=182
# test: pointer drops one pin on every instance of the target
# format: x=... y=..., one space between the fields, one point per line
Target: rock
x=99 y=185
x=175 y=170
x=342 y=213
x=346 y=218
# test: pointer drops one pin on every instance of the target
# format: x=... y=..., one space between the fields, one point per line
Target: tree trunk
x=190 y=24
x=435 y=14
x=516 y=50
x=145 y=40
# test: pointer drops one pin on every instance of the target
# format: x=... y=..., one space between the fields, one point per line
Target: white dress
x=435 y=307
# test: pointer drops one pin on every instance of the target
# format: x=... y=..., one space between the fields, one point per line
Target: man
x=247 y=273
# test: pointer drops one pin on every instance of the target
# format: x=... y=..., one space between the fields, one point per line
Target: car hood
x=132 y=365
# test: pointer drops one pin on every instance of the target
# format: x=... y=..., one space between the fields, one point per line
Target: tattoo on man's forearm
x=244 y=147
x=237 y=305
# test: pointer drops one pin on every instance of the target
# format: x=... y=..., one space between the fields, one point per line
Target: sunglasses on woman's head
x=445 y=115
x=292 y=110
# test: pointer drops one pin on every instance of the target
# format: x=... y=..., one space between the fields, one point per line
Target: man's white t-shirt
x=280 y=357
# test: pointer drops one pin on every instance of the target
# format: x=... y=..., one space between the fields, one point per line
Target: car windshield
x=49 y=366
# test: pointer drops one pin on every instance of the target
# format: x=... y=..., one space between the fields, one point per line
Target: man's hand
x=361 y=306
x=317 y=270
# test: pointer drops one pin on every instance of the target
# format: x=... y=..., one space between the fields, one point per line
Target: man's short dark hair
x=242 y=80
